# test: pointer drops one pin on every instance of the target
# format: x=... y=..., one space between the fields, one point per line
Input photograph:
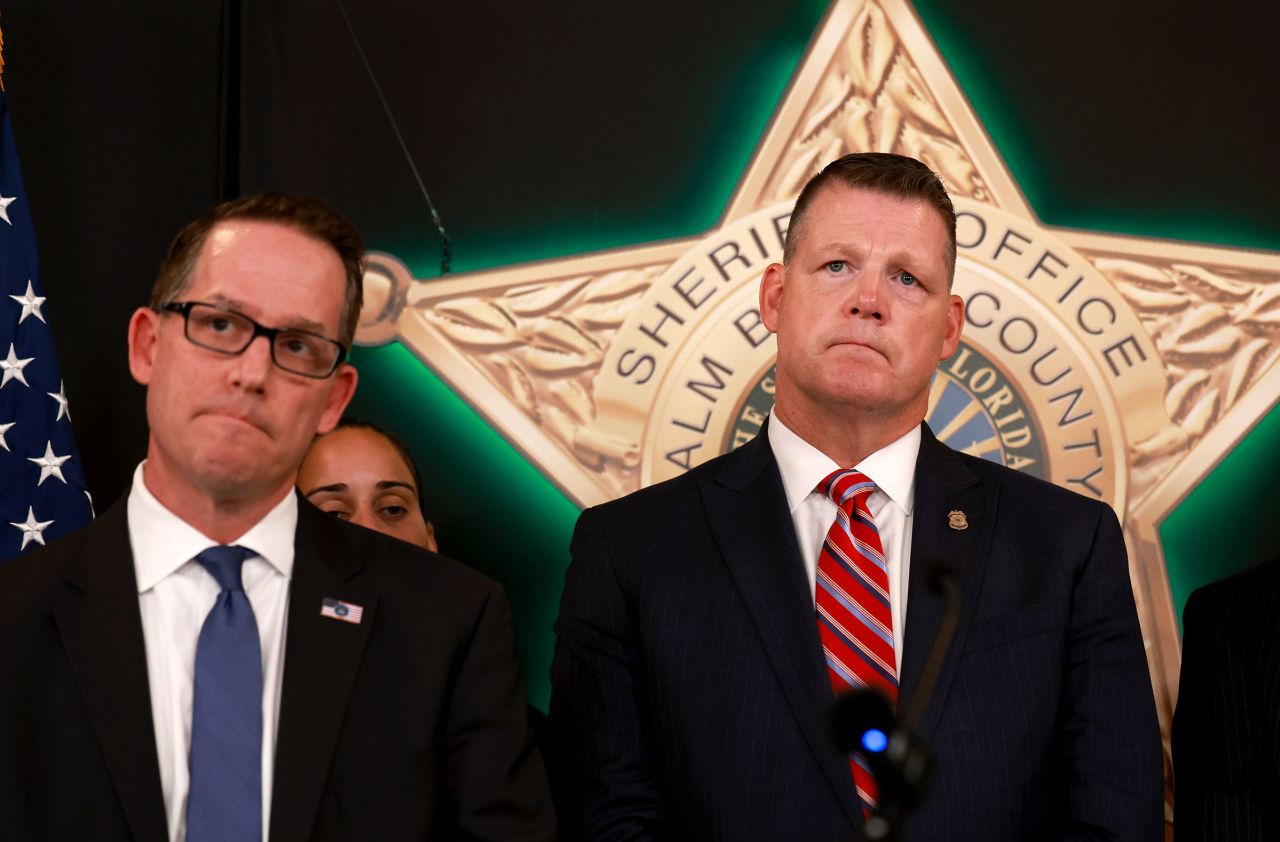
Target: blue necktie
x=224 y=803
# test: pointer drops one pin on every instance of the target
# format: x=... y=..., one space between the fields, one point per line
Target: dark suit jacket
x=690 y=697
x=410 y=725
x=1226 y=729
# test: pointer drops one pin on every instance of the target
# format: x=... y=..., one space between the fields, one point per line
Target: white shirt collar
x=162 y=542
x=892 y=468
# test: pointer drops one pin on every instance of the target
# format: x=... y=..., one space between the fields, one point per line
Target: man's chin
x=244 y=474
x=863 y=389
x=869 y=398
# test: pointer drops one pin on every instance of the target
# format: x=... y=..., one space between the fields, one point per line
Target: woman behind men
x=362 y=473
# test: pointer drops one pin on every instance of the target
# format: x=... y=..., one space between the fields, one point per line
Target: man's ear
x=144 y=335
x=771 y=295
x=955 y=324
x=341 y=391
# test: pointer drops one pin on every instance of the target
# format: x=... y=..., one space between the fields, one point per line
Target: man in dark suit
x=708 y=621
x=1226 y=728
x=213 y=659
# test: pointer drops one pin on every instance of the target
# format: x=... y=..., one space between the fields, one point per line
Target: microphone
x=863 y=721
x=942 y=581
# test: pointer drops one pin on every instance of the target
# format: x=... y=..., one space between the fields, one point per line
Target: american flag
x=348 y=612
x=42 y=488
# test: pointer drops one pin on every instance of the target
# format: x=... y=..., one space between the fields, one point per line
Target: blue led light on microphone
x=874 y=740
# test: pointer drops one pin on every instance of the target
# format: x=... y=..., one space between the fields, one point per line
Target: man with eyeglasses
x=214 y=660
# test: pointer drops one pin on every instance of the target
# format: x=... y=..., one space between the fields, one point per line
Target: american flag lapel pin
x=347 y=612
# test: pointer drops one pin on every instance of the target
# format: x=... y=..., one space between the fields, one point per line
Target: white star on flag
x=61 y=397
x=30 y=304
x=50 y=464
x=4 y=428
x=5 y=201
x=32 y=529
x=12 y=368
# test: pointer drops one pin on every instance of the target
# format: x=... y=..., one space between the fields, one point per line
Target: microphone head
x=862 y=721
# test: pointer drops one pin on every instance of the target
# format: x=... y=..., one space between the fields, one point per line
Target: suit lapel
x=944 y=484
x=101 y=628
x=747 y=509
x=322 y=656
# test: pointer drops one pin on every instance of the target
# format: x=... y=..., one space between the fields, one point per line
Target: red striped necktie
x=854 y=619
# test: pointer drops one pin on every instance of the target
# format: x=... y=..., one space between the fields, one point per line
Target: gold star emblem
x=1118 y=366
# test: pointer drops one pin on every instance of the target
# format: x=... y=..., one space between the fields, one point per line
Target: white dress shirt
x=892 y=468
x=175 y=594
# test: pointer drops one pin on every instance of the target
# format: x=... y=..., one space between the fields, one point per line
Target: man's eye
x=338 y=513
x=836 y=266
x=908 y=279
x=295 y=346
x=394 y=512
x=216 y=324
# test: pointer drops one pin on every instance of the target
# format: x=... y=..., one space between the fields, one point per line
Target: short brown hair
x=882 y=172
x=311 y=216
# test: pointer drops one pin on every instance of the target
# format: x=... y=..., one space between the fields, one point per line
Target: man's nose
x=254 y=364
x=867 y=294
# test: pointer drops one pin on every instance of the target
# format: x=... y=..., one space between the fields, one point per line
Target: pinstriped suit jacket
x=690 y=695
x=1226 y=730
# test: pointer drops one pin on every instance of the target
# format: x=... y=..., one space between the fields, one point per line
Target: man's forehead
x=819 y=207
x=227 y=230
x=265 y=268
x=222 y=235
x=837 y=206
x=265 y=238
x=859 y=200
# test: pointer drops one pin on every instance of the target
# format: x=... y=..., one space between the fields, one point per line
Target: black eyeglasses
x=228 y=332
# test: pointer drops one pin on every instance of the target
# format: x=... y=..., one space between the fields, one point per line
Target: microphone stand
x=863 y=721
x=943 y=581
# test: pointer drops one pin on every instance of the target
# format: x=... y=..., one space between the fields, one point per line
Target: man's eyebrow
x=300 y=323
x=337 y=486
x=294 y=323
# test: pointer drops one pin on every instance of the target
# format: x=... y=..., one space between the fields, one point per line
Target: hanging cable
x=445 y=255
